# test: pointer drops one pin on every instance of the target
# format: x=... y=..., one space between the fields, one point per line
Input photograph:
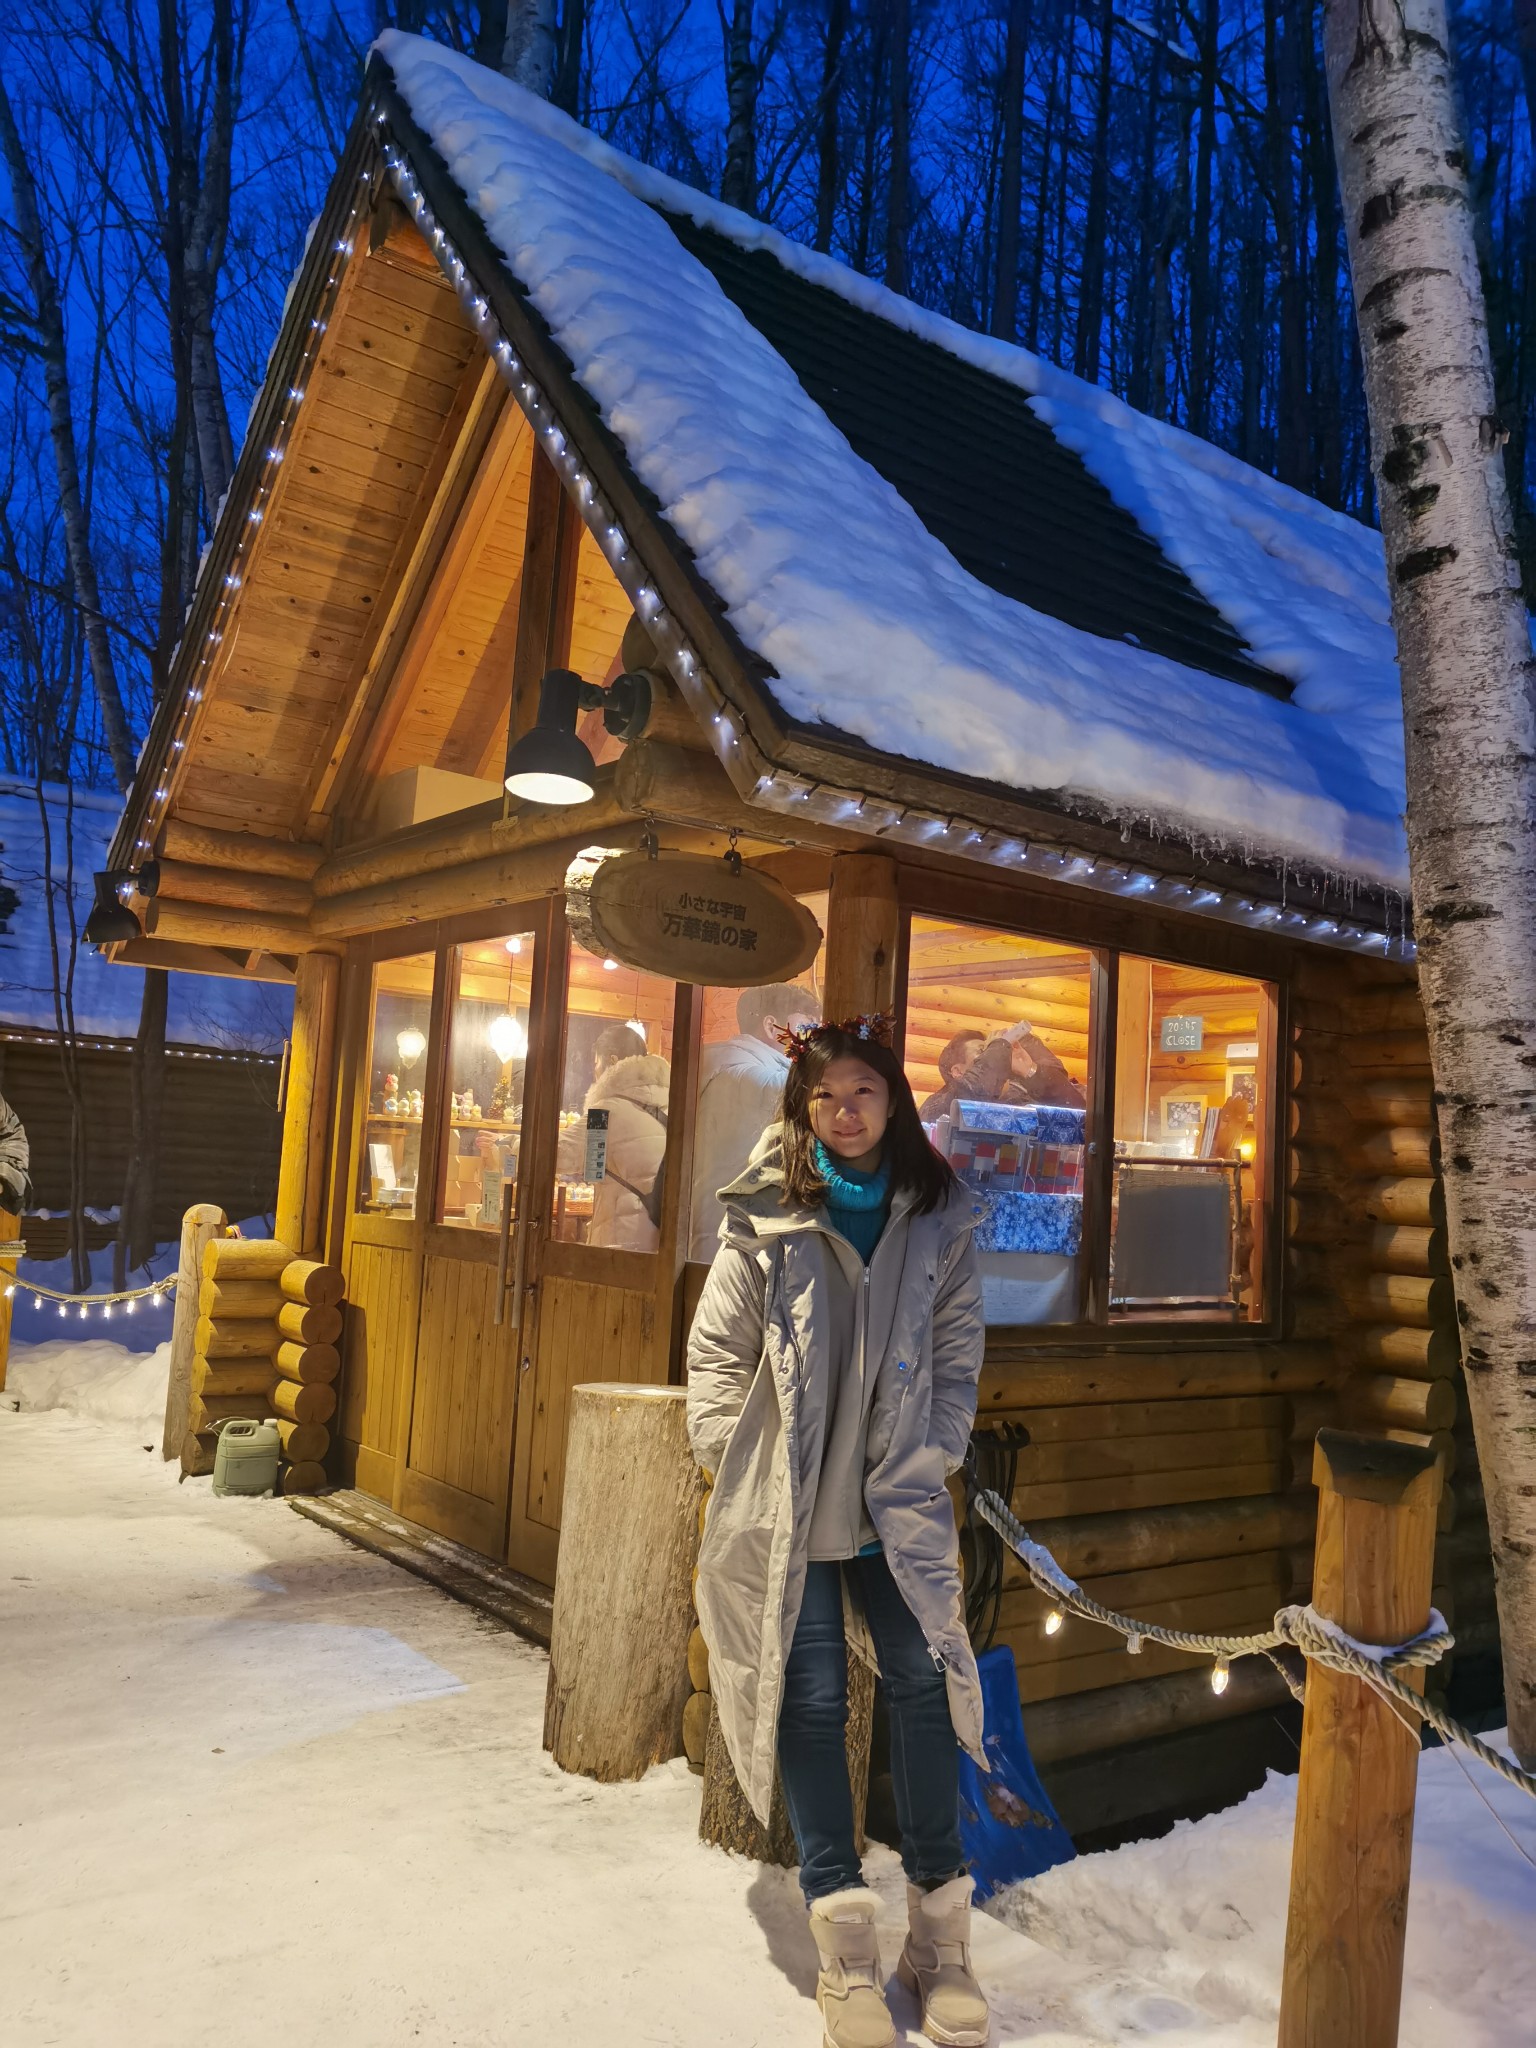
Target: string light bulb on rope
x=126 y=1298
x=1319 y=1640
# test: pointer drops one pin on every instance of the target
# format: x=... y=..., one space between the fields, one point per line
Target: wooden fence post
x=618 y=1647
x=10 y=1234
x=1343 y=1985
x=202 y=1223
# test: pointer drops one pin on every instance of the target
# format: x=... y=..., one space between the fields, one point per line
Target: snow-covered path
x=256 y=1783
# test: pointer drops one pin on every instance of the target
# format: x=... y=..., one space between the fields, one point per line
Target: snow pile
x=868 y=620
x=218 y=1715
x=1199 y=1915
x=93 y=1378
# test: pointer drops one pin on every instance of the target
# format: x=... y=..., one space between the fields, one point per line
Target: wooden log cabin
x=1049 y=715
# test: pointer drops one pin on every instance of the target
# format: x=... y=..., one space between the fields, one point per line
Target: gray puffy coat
x=759 y=1371
x=15 y=1158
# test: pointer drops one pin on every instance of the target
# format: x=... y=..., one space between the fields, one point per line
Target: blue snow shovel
x=1008 y=1827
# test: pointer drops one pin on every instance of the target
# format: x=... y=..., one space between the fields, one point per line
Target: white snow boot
x=935 y=1965
x=854 y=2013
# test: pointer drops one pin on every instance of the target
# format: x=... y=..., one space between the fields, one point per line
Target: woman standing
x=632 y=1085
x=831 y=1390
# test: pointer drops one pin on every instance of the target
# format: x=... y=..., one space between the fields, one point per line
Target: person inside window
x=952 y=1063
x=741 y=1086
x=15 y=1158
x=1013 y=1066
x=832 y=1372
x=633 y=1086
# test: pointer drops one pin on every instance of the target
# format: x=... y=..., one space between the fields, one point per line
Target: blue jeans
x=813 y=1757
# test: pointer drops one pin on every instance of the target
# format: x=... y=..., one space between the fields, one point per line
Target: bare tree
x=1469 y=714
x=45 y=316
x=828 y=126
x=898 y=199
x=1010 y=182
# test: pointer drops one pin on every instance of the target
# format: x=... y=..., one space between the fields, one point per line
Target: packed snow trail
x=255 y=1780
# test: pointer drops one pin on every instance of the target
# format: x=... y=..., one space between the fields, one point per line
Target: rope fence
x=127 y=1298
x=1301 y=1628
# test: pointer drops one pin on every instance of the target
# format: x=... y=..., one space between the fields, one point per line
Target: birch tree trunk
x=531 y=49
x=1469 y=713
x=828 y=111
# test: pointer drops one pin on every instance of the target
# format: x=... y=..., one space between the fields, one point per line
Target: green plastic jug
x=246 y=1459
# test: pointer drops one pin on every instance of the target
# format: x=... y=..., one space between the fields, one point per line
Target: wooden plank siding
x=380 y=1338
x=381 y=392
x=220 y=1131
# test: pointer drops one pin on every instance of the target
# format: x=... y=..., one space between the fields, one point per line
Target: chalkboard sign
x=1183 y=1034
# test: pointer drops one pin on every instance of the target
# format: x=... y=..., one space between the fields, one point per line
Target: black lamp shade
x=110 y=920
x=549 y=765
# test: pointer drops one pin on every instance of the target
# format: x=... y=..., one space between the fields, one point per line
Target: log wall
x=1176 y=1484
x=265 y=1345
x=1369 y=1261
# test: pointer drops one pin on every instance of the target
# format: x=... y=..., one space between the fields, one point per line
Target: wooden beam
x=548 y=594
x=477 y=439
x=249 y=852
x=863 y=935
x=307 y=1107
x=237 y=964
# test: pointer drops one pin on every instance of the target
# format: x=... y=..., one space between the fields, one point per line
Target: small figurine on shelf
x=415 y=1101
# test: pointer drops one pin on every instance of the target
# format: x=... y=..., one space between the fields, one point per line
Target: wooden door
x=429 y=1404
x=597 y=1307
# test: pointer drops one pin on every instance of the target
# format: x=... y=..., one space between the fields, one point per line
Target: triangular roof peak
x=859 y=624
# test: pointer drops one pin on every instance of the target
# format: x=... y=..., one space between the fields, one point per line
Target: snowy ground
x=255 y=1781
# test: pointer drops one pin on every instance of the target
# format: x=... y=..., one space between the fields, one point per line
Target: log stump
x=623 y=1611
x=728 y=1821
x=199 y=1227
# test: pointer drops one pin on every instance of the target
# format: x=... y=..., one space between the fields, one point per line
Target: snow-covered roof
x=202 y=1009
x=869 y=622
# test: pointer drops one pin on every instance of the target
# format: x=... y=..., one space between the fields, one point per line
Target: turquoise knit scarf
x=861 y=1191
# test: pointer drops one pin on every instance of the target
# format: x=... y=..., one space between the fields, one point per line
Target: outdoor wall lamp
x=549 y=764
x=111 y=920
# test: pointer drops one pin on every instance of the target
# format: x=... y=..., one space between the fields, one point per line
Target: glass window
x=996 y=1051
x=610 y=1177
x=487 y=1066
x=741 y=1081
x=1192 y=1110
x=400 y=1014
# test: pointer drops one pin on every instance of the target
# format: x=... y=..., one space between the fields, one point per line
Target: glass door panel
x=400 y=1013
x=610 y=1170
x=490 y=1021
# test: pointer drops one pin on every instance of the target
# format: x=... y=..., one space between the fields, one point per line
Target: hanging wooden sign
x=688 y=917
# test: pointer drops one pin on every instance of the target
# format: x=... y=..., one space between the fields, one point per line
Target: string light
x=1220 y=1674
x=88 y=1304
x=1053 y=1622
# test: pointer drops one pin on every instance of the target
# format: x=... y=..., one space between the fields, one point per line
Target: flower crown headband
x=878 y=1028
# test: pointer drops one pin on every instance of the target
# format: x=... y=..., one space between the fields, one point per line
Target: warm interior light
x=509 y=1038
x=410 y=1045
x=611 y=966
x=1245 y=1150
x=634 y=1024
x=514 y=945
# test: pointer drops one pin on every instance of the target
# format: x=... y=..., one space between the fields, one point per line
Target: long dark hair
x=914 y=1163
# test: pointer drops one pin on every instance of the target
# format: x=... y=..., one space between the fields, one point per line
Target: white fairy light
x=1220 y=1675
x=1053 y=1621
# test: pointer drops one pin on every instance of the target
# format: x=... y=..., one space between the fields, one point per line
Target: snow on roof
x=870 y=623
x=202 y=1009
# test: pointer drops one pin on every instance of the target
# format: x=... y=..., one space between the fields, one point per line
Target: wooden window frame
x=1107 y=931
